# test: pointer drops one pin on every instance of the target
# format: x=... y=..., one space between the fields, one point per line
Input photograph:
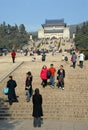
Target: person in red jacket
x=43 y=75
x=52 y=77
x=13 y=54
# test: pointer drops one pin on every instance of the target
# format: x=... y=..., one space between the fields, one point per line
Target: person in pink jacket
x=43 y=75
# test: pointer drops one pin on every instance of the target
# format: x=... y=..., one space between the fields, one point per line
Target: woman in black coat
x=37 y=108
x=11 y=84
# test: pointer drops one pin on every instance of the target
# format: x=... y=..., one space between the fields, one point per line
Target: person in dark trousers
x=52 y=69
x=26 y=52
x=13 y=55
x=11 y=85
x=60 y=77
x=43 y=75
x=28 y=86
x=81 y=59
x=43 y=56
x=73 y=59
x=37 y=108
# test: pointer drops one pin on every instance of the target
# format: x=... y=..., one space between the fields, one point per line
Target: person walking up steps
x=73 y=59
x=81 y=59
x=13 y=54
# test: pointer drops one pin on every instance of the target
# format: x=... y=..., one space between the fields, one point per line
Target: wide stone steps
x=57 y=113
x=68 y=104
x=53 y=108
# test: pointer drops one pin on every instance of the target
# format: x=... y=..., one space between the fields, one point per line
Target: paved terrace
x=72 y=95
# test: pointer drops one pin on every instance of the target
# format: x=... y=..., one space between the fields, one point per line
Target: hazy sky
x=33 y=13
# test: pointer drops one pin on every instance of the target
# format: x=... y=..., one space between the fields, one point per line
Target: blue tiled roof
x=54 y=22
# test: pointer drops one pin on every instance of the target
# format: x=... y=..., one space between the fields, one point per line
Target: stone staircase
x=69 y=104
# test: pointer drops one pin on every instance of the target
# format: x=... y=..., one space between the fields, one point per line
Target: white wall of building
x=41 y=33
x=65 y=34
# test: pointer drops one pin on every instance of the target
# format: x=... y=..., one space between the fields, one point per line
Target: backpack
x=48 y=74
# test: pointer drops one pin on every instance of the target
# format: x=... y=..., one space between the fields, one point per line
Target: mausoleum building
x=54 y=28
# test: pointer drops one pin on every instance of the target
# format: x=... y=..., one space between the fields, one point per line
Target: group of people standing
x=49 y=74
x=36 y=98
x=45 y=74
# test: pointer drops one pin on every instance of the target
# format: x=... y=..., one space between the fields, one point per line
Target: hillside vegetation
x=16 y=36
x=13 y=36
x=81 y=39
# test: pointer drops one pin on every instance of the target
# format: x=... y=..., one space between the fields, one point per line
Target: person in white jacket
x=81 y=59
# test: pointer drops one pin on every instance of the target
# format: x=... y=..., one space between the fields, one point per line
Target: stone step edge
x=46 y=118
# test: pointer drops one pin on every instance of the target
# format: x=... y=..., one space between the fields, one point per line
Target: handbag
x=48 y=74
x=6 y=90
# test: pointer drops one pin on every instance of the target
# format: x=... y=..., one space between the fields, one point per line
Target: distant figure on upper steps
x=43 y=56
x=13 y=54
x=33 y=58
x=81 y=59
x=63 y=57
x=66 y=58
x=26 y=51
x=73 y=59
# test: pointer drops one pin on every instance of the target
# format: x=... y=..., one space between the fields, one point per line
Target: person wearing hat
x=11 y=84
x=28 y=85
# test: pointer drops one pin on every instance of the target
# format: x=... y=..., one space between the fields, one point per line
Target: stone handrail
x=10 y=71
